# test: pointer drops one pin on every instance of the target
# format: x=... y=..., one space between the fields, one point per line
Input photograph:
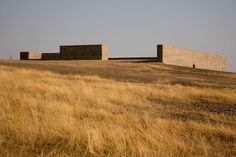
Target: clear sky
x=128 y=27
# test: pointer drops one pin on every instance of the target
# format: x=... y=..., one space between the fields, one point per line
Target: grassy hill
x=115 y=108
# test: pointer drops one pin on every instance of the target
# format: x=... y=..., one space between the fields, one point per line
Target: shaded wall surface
x=30 y=56
x=183 y=57
x=84 y=52
x=51 y=56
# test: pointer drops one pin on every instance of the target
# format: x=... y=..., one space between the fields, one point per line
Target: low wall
x=132 y=58
x=30 y=56
x=51 y=56
x=184 y=57
x=84 y=52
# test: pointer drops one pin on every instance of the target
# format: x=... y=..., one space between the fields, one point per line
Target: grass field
x=114 y=108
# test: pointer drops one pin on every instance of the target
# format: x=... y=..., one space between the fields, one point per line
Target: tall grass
x=50 y=114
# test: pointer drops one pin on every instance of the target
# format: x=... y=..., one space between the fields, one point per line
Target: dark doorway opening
x=194 y=66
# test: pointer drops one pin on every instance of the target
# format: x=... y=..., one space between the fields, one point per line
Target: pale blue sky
x=128 y=27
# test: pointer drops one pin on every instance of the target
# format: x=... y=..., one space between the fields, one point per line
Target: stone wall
x=51 y=56
x=30 y=56
x=105 y=53
x=84 y=52
x=189 y=58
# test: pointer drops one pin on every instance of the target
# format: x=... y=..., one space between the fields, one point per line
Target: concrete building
x=183 y=57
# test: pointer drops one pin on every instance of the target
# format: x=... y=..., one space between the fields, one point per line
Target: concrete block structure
x=183 y=57
x=84 y=52
x=30 y=56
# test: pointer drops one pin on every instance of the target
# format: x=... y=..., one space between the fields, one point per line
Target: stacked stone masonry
x=84 y=52
x=51 y=56
x=76 y=52
x=165 y=54
x=184 y=57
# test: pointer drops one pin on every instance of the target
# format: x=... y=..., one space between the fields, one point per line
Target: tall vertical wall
x=105 y=52
x=184 y=57
x=84 y=52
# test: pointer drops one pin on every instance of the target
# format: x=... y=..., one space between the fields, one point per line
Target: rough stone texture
x=51 y=56
x=160 y=53
x=30 y=56
x=183 y=57
x=105 y=53
x=84 y=52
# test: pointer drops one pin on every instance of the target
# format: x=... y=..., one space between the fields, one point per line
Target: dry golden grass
x=45 y=113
